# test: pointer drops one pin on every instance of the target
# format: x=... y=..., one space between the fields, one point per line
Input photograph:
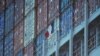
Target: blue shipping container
x=40 y=39
x=29 y=4
x=29 y=28
x=64 y=4
x=1 y=47
x=20 y=53
x=9 y=18
x=66 y=21
x=1 y=24
x=8 y=45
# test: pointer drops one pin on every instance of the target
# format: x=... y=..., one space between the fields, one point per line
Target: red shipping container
x=53 y=9
x=41 y=16
x=18 y=37
x=2 y=4
x=19 y=6
x=29 y=50
x=78 y=12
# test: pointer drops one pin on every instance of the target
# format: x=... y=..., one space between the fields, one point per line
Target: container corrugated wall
x=2 y=4
x=18 y=37
x=29 y=28
x=64 y=50
x=8 y=45
x=20 y=53
x=41 y=16
x=53 y=10
x=29 y=50
x=9 y=18
x=19 y=11
x=1 y=25
x=66 y=21
x=93 y=6
x=1 y=47
x=78 y=12
x=39 y=44
x=29 y=5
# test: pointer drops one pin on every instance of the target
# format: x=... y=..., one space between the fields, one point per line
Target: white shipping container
x=29 y=28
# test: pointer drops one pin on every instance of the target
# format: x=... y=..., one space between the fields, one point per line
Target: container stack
x=49 y=27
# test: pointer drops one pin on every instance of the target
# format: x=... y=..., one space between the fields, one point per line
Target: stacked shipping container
x=17 y=23
x=29 y=50
x=1 y=47
x=78 y=46
x=29 y=5
x=29 y=28
x=53 y=10
x=39 y=44
x=41 y=16
x=93 y=6
x=66 y=17
x=19 y=11
x=9 y=18
x=8 y=44
x=2 y=5
x=18 y=37
x=12 y=37
x=78 y=12
x=1 y=25
x=64 y=50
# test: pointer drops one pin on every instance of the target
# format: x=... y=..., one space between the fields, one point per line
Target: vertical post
x=86 y=29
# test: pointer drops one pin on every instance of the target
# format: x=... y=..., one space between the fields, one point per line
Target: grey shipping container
x=19 y=11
